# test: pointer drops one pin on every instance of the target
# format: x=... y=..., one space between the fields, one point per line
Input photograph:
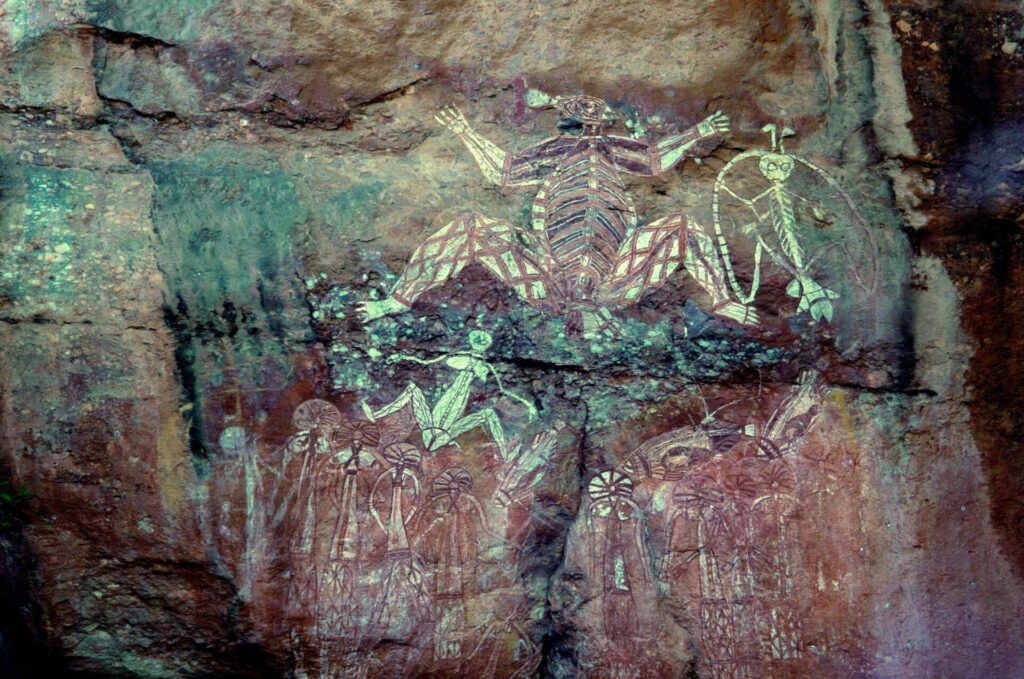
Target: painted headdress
x=583 y=108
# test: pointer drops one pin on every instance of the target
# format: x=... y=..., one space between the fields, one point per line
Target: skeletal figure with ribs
x=586 y=253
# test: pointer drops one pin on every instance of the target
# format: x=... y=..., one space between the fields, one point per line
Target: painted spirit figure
x=447 y=420
x=736 y=522
x=308 y=449
x=451 y=522
x=777 y=229
x=621 y=559
x=403 y=599
x=734 y=515
x=336 y=601
x=585 y=253
x=237 y=443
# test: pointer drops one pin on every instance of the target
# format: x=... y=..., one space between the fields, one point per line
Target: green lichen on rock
x=225 y=222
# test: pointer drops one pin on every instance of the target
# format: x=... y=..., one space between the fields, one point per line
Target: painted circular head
x=480 y=340
x=741 y=484
x=776 y=166
x=777 y=477
x=583 y=108
x=610 y=485
x=316 y=414
x=356 y=434
x=697 y=490
x=453 y=481
x=232 y=440
x=402 y=453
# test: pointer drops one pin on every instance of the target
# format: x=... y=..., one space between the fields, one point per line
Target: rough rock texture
x=196 y=196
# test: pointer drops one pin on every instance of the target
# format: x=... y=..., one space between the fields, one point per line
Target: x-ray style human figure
x=730 y=535
x=617 y=554
x=447 y=419
x=451 y=523
x=737 y=519
x=336 y=595
x=308 y=448
x=776 y=227
x=403 y=597
x=586 y=252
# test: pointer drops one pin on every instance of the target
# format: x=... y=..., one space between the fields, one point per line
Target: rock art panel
x=584 y=252
x=677 y=372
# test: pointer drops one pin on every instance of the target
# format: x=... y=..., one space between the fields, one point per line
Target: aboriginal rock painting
x=372 y=530
x=779 y=221
x=585 y=252
x=716 y=517
x=394 y=512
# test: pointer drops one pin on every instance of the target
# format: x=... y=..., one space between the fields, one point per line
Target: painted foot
x=821 y=309
x=741 y=313
x=376 y=308
x=813 y=298
x=601 y=324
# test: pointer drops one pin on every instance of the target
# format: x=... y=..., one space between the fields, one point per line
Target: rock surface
x=231 y=476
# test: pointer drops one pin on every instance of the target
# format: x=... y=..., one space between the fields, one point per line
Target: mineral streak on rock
x=440 y=339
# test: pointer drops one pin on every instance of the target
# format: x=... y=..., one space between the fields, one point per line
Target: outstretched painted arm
x=489 y=156
x=671 y=150
x=636 y=157
x=525 y=168
x=501 y=389
x=397 y=358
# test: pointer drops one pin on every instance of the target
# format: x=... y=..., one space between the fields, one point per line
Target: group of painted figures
x=405 y=521
x=720 y=502
x=390 y=535
x=585 y=253
x=384 y=529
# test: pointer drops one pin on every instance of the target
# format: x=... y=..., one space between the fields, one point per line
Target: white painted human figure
x=451 y=521
x=403 y=598
x=447 y=419
x=236 y=442
x=617 y=556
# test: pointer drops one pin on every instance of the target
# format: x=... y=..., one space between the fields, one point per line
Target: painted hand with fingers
x=452 y=118
x=716 y=123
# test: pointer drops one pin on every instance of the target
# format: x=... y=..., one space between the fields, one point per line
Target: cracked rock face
x=641 y=393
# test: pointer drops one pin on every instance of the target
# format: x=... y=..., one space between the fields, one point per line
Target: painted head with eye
x=776 y=166
x=480 y=340
x=587 y=110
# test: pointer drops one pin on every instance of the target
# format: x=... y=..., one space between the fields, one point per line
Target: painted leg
x=411 y=394
x=469 y=238
x=654 y=251
x=813 y=297
x=644 y=262
x=704 y=265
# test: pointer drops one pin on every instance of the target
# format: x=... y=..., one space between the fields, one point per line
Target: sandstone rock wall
x=231 y=475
